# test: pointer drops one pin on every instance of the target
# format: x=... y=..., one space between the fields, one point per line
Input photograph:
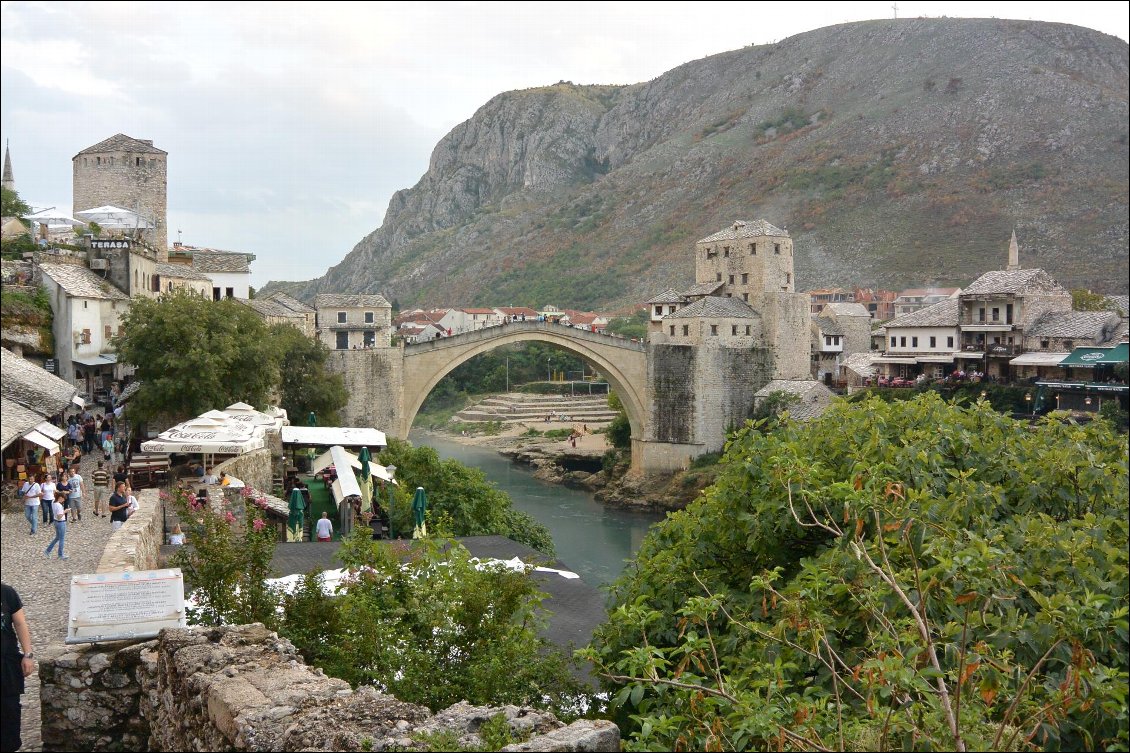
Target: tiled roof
x=1091 y=325
x=846 y=309
x=79 y=282
x=15 y=421
x=715 y=307
x=702 y=288
x=944 y=314
x=477 y=311
x=182 y=271
x=119 y=142
x=267 y=307
x=342 y=300
x=670 y=295
x=743 y=229
x=923 y=292
x=32 y=387
x=827 y=325
x=809 y=391
x=1119 y=303
x=862 y=364
x=1015 y=281
x=220 y=261
x=293 y=304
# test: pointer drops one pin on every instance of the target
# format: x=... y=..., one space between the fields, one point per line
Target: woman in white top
x=47 y=497
x=176 y=538
x=59 y=515
x=30 y=490
x=131 y=499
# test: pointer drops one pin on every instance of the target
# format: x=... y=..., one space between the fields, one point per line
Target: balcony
x=986 y=327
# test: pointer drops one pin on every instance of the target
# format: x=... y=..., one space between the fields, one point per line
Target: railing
x=548 y=328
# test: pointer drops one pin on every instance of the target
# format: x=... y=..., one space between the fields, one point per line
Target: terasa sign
x=109 y=245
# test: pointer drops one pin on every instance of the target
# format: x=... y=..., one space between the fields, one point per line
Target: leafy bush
x=912 y=575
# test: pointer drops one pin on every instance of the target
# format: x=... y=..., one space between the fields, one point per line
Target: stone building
x=129 y=173
x=809 y=398
x=229 y=271
x=299 y=309
x=171 y=277
x=840 y=330
x=347 y=322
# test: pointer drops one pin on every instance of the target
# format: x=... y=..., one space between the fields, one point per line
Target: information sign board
x=125 y=606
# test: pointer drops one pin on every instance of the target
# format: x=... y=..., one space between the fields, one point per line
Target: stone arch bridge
x=679 y=402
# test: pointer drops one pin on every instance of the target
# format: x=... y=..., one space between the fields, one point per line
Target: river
x=591 y=539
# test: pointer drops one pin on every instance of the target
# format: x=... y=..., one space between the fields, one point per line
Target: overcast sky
x=289 y=126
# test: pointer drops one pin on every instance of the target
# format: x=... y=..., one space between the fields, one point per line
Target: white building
x=922 y=342
x=88 y=312
x=229 y=271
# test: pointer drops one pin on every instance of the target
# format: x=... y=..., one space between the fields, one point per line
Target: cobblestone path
x=44 y=584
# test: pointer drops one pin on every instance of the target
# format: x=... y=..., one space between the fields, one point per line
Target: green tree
x=462 y=496
x=630 y=326
x=193 y=355
x=433 y=630
x=13 y=205
x=905 y=575
x=1085 y=300
x=619 y=431
x=305 y=385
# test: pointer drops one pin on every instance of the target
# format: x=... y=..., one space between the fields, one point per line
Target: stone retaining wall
x=244 y=688
x=136 y=544
x=253 y=468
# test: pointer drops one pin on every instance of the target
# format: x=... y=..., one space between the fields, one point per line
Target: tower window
x=745 y=278
x=731 y=279
x=777 y=249
x=753 y=249
x=672 y=330
x=686 y=330
x=718 y=277
x=734 y=329
x=788 y=278
x=713 y=329
x=745 y=297
x=725 y=251
x=747 y=329
x=138 y=163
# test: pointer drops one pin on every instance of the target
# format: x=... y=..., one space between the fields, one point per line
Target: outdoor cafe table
x=147 y=469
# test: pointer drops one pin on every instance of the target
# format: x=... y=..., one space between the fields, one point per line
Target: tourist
x=120 y=474
x=210 y=478
x=76 y=483
x=59 y=515
x=108 y=447
x=176 y=538
x=30 y=491
x=224 y=480
x=325 y=528
x=101 y=480
x=46 y=496
x=14 y=665
x=119 y=506
x=131 y=506
x=63 y=485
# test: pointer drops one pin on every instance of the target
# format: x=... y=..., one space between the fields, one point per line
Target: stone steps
x=521 y=408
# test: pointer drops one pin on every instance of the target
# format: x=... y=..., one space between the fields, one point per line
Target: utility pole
x=895 y=8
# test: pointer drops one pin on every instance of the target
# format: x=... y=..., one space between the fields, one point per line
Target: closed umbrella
x=419 y=507
x=311 y=420
x=366 y=481
x=295 y=521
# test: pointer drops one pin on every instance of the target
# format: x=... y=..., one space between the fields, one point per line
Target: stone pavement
x=44 y=584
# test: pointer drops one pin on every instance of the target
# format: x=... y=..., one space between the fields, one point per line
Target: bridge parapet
x=504 y=330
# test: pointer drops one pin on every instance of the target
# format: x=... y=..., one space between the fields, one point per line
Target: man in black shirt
x=119 y=506
x=16 y=666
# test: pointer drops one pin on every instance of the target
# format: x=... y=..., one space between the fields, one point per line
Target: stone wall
x=130 y=181
x=136 y=544
x=244 y=688
x=373 y=381
x=255 y=468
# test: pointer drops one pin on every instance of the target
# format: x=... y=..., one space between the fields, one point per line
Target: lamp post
x=391 y=526
x=548 y=373
x=507 y=373
x=1028 y=400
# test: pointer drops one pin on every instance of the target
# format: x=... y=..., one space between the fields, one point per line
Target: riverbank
x=589 y=466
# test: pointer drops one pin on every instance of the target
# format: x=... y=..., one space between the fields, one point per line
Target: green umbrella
x=419 y=507
x=366 y=481
x=311 y=420
x=365 y=457
x=294 y=521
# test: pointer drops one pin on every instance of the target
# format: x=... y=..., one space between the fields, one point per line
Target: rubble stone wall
x=135 y=546
x=245 y=688
x=253 y=468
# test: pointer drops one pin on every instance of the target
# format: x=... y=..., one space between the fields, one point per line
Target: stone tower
x=9 y=180
x=753 y=262
x=128 y=173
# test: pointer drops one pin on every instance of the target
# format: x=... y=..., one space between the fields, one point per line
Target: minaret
x=1013 y=253
x=9 y=181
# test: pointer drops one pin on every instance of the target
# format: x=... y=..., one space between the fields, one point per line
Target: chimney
x=1013 y=253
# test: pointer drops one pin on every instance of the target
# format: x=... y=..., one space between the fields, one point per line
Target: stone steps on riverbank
x=516 y=408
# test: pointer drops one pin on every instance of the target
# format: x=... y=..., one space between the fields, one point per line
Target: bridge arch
x=622 y=362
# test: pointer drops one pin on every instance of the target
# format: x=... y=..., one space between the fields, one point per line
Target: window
x=341 y=317
x=753 y=249
x=343 y=341
x=981 y=315
x=827 y=339
x=949 y=342
x=671 y=309
x=892 y=342
x=1008 y=313
x=777 y=249
x=84 y=304
x=711 y=253
x=914 y=342
x=109 y=332
x=1044 y=343
x=745 y=278
x=215 y=294
x=713 y=329
x=726 y=251
x=902 y=342
x=138 y=161
x=659 y=311
x=1069 y=344
x=747 y=329
x=672 y=330
x=229 y=292
x=370 y=338
x=369 y=317
x=745 y=297
x=996 y=314
x=734 y=330
x=836 y=340
x=788 y=278
x=86 y=337
x=686 y=330
x=933 y=342
x=731 y=279
x=718 y=277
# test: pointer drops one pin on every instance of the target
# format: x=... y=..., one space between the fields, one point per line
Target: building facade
x=350 y=322
x=129 y=173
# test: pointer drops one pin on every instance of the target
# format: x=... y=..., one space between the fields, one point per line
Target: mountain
x=898 y=153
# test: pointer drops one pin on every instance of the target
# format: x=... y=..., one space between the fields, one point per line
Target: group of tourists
x=88 y=431
x=55 y=499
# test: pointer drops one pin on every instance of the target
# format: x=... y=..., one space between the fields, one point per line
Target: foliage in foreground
x=460 y=498
x=435 y=630
x=910 y=575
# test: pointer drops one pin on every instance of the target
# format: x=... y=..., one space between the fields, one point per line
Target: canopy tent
x=115 y=218
x=348 y=459
x=1090 y=357
x=51 y=431
x=1038 y=359
x=44 y=442
x=327 y=436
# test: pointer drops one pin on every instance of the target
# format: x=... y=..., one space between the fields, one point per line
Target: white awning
x=332 y=456
x=894 y=359
x=42 y=441
x=935 y=358
x=105 y=359
x=78 y=401
x=211 y=447
x=1038 y=359
x=970 y=354
x=51 y=431
x=328 y=436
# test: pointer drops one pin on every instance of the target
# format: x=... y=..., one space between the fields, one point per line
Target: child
x=176 y=538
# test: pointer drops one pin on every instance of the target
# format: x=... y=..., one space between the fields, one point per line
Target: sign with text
x=125 y=606
x=109 y=245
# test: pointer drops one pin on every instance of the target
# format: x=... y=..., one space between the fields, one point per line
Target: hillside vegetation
x=897 y=153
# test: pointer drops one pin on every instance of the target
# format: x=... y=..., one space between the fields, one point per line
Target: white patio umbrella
x=53 y=217
x=246 y=414
x=115 y=218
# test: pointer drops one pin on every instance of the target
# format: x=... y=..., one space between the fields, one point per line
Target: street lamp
x=1028 y=400
x=1087 y=400
x=391 y=526
x=548 y=374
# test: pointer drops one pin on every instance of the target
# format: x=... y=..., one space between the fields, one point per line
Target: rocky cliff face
x=897 y=153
